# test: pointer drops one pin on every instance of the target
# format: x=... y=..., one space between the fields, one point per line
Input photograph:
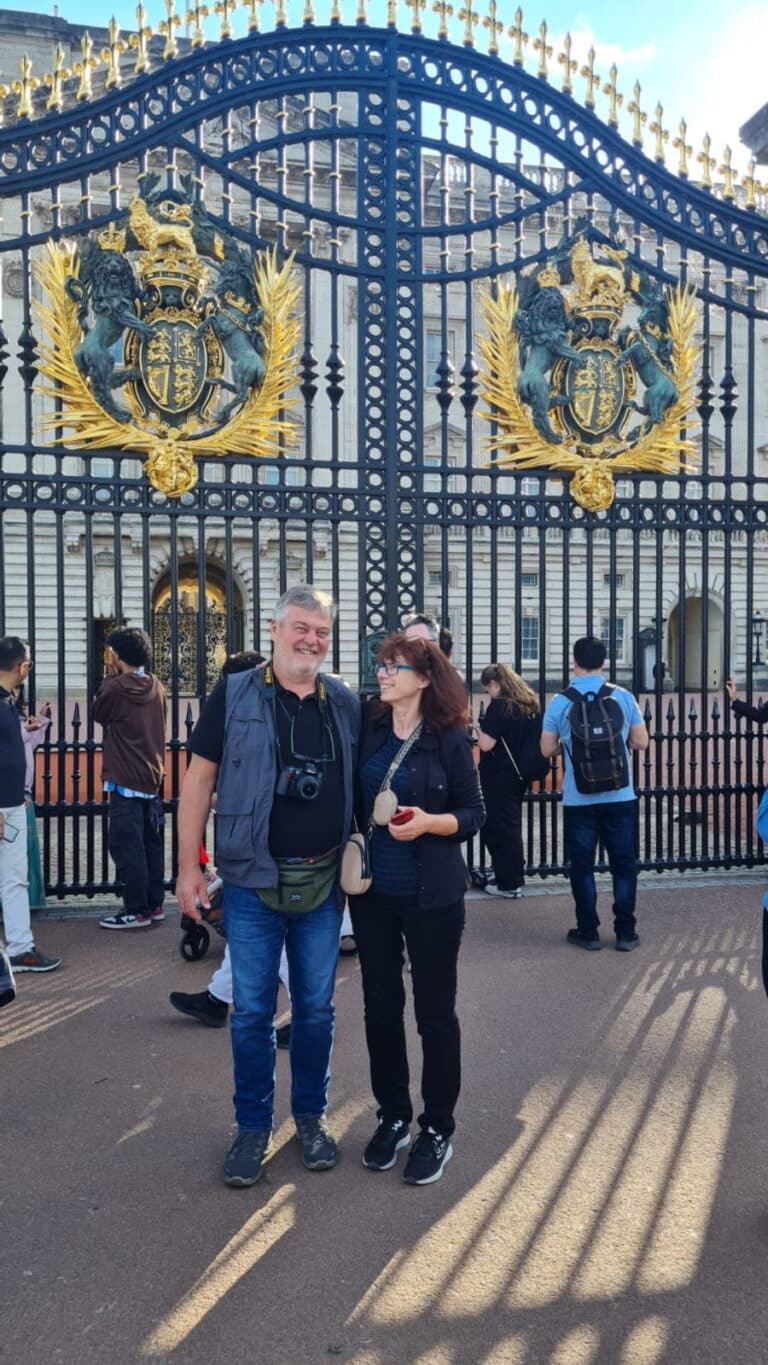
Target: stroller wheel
x=194 y=942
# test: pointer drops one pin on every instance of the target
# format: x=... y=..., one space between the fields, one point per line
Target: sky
x=683 y=53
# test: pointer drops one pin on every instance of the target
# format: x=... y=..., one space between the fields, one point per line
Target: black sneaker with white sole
x=427 y=1157
x=124 y=920
x=318 y=1149
x=389 y=1139
x=34 y=961
x=243 y=1163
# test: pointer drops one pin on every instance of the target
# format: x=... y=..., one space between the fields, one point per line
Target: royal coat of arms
x=589 y=368
x=162 y=337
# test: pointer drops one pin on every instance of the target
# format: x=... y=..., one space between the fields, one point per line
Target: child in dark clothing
x=131 y=706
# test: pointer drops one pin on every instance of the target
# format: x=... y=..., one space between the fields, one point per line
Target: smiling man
x=278 y=745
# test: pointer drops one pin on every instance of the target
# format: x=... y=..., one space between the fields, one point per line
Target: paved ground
x=607 y=1202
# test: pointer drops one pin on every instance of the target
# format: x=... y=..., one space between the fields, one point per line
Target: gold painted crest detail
x=143 y=361
x=562 y=380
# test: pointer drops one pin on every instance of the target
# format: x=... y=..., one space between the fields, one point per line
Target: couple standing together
x=294 y=766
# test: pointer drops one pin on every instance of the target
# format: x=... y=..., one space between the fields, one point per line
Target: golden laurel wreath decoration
x=662 y=449
x=258 y=429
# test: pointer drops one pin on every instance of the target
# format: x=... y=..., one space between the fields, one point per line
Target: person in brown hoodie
x=131 y=706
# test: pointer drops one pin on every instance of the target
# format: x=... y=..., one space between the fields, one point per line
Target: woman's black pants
x=503 y=828
x=432 y=938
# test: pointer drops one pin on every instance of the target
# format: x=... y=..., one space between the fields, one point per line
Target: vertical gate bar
x=405 y=414
x=93 y=672
x=732 y=832
x=201 y=680
x=375 y=241
x=754 y=755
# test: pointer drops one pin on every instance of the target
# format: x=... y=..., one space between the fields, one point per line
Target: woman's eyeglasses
x=392 y=670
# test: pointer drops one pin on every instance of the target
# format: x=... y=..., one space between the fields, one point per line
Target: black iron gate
x=409 y=174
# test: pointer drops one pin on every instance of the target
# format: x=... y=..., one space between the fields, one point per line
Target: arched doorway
x=703 y=667
x=191 y=640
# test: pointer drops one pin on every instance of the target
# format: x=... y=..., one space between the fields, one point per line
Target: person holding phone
x=419 y=795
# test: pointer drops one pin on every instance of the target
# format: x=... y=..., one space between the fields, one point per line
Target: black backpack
x=598 y=753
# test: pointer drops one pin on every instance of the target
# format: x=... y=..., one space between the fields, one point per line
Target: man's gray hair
x=309 y=598
x=422 y=618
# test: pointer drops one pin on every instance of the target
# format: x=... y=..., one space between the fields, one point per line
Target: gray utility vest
x=245 y=787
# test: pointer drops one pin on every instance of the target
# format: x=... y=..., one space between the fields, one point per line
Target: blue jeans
x=614 y=824
x=256 y=935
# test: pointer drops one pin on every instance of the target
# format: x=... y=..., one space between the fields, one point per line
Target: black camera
x=304 y=782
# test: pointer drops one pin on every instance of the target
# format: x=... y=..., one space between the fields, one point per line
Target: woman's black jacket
x=443 y=778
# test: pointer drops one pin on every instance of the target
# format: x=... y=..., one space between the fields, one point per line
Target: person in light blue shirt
x=606 y=815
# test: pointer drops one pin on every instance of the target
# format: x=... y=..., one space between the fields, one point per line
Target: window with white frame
x=433 y=351
x=605 y=634
x=529 y=637
x=529 y=580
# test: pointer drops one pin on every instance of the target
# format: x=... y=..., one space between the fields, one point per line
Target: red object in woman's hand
x=401 y=817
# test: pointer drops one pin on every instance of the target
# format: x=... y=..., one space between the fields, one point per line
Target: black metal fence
x=409 y=174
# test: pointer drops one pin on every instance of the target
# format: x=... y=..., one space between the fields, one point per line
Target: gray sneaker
x=318 y=1149
x=243 y=1163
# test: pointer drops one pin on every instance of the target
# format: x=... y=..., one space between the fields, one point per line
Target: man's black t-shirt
x=13 y=763
x=305 y=731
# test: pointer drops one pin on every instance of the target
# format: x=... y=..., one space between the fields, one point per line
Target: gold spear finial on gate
x=195 y=16
x=639 y=116
x=706 y=162
x=168 y=27
x=309 y=13
x=591 y=77
x=112 y=54
x=544 y=50
x=416 y=6
x=55 y=79
x=494 y=26
x=570 y=67
x=336 y=11
x=25 y=87
x=683 y=149
x=470 y=18
x=610 y=88
x=281 y=19
x=140 y=41
x=751 y=185
x=253 y=14
x=442 y=8
x=519 y=38
x=362 y=13
x=728 y=172
x=84 y=69
x=660 y=133
x=392 y=13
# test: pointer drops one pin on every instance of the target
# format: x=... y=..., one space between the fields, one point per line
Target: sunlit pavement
x=607 y=1201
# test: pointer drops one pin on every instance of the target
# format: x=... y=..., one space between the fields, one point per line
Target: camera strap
x=321 y=692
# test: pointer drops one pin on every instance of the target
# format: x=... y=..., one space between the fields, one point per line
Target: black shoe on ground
x=318 y=1149
x=427 y=1157
x=125 y=921
x=626 y=945
x=202 y=1006
x=243 y=1163
x=7 y=983
x=389 y=1139
x=283 y=1035
x=34 y=961
x=580 y=939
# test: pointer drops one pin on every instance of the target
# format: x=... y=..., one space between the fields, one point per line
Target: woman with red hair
x=419 y=798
